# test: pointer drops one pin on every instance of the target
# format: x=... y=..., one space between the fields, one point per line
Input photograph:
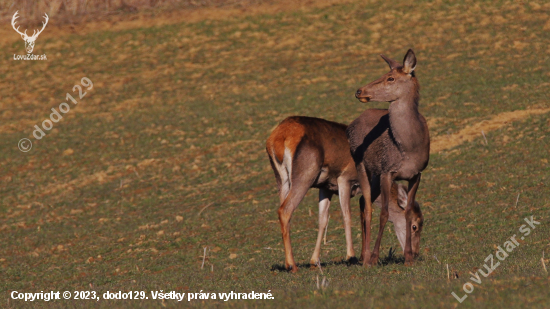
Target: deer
x=29 y=40
x=388 y=145
x=307 y=152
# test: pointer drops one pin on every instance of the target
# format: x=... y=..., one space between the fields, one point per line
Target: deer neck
x=406 y=125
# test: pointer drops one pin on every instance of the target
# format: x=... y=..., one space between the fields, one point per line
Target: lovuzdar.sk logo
x=29 y=40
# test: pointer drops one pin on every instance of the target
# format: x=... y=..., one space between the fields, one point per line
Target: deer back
x=321 y=144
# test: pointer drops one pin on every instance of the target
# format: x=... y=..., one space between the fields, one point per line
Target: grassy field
x=166 y=156
x=78 y=11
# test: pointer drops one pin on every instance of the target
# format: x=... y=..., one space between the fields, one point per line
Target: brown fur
x=281 y=137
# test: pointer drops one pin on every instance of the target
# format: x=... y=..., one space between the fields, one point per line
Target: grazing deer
x=29 y=40
x=307 y=152
x=396 y=210
x=389 y=145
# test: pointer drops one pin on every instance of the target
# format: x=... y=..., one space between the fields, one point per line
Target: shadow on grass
x=391 y=258
x=352 y=261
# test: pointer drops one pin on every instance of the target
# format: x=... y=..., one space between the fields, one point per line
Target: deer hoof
x=292 y=268
x=313 y=262
x=373 y=261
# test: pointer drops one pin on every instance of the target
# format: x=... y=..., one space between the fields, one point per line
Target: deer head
x=416 y=225
x=395 y=84
x=29 y=40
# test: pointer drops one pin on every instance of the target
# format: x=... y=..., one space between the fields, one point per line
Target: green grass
x=165 y=156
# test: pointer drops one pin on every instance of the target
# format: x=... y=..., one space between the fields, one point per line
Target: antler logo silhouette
x=29 y=40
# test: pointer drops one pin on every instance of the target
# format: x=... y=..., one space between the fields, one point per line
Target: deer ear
x=409 y=62
x=402 y=196
x=392 y=63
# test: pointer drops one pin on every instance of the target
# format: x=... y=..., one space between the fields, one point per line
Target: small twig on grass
x=448 y=276
x=542 y=261
x=320 y=268
x=137 y=174
x=517 y=200
x=324 y=283
x=437 y=259
x=483 y=133
x=203 y=257
x=326 y=228
x=200 y=212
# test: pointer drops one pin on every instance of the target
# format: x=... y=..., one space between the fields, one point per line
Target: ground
x=165 y=155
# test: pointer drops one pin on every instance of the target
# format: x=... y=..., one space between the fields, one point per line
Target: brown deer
x=389 y=145
x=307 y=152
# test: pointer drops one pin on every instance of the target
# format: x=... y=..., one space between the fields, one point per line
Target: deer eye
x=414 y=228
x=391 y=79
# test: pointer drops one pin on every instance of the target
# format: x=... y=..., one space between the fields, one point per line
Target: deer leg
x=365 y=205
x=362 y=212
x=374 y=189
x=305 y=171
x=324 y=204
x=294 y=197
x=385 y=184
x=282 y=188
x=413 y=186
x=344 y=192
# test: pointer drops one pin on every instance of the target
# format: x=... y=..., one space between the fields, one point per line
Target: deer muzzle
x=361 y=96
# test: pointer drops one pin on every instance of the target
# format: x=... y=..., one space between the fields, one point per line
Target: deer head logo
x=29 y=40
